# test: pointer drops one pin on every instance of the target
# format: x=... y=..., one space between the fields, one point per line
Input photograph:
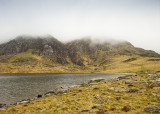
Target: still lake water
x=16 y=87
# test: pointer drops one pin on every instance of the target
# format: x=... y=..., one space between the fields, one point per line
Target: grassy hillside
x=133 y=64
x=30 y=62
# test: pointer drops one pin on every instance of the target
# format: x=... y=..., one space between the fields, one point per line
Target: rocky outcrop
x=80 y=52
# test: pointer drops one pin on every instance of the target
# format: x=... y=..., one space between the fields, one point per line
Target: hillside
x=26 y=54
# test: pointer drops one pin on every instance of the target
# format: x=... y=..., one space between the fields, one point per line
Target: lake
x=16 y=87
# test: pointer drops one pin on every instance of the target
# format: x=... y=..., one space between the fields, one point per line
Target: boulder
x=22 y=102
x=85 y=110
x=111 y=89
x=2 y=105
x=49 y=93
x=96 y=80
x=133 y=90
x=151 y=108
x=131 y=82
x=39 y=96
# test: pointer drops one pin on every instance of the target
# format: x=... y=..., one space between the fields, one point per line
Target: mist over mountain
x=85 y=51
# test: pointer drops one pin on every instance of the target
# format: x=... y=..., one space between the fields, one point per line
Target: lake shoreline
x=136 y=93
x=61 y=90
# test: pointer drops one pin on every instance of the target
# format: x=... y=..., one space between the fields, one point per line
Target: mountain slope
x=47 y=54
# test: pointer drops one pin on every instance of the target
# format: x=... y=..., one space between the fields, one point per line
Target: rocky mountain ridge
x=80 y=52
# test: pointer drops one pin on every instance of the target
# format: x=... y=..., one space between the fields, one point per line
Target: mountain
x=86 y=49
x=48 y=47
x=48 y=52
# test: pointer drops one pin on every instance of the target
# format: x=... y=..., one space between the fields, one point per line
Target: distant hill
x=78 y=51
x=49 y=52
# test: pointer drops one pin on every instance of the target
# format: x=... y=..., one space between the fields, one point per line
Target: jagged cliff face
x=81 y=52
x=47 y=47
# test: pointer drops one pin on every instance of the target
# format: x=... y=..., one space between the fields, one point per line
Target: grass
x=137 y=65
x=27 y=62
x=76 y=99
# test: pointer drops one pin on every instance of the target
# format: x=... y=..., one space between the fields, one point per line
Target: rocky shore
x=137 y=93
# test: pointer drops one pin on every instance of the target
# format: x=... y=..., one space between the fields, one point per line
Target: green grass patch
x=129 y=60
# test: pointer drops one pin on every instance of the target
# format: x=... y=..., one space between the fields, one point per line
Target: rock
x=158 y=80
x=109 y=97
x=143 y=83
x=49 y=93
x=111 y=89
x=126 y=108
x=97 y=95
x=96 y=80
x=54 y=100
x=103 y=94
x=2 y=109
x=151 y=108
x=121 y=90
x=131 y=82
x=22 y=102
x=73 y=100
x=156 y=88
x=101 y=100
x=118 y=98
x=151 y=81
x=155 y=94
x=133 y=90
x=95 y=86
x=93 y=83
x=130 y=85
x=60 y=91
x=85 y=110
x=154 y=84
x=104 y=89
x=39 y=96
x=2 y=105
x=122 y=77
x=74 y=86
x=96 y=106
x=155 y=103
x=101 y=111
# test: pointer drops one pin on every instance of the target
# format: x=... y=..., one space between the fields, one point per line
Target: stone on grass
x=97 y=95
x=54 y=100
x=96 y=106
x=96 y=80
x=133 y=90
x=126 y=108
x=2 y=109
x=85 y=110
x=151 y=108
x=156 y=88
x=118 y=97
x=131 y=82
x=111 y=89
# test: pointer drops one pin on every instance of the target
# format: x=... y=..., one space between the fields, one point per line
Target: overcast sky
x=137 y=21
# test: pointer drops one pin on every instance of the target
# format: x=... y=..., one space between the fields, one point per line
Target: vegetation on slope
x=29 y=54
x=30 y=62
